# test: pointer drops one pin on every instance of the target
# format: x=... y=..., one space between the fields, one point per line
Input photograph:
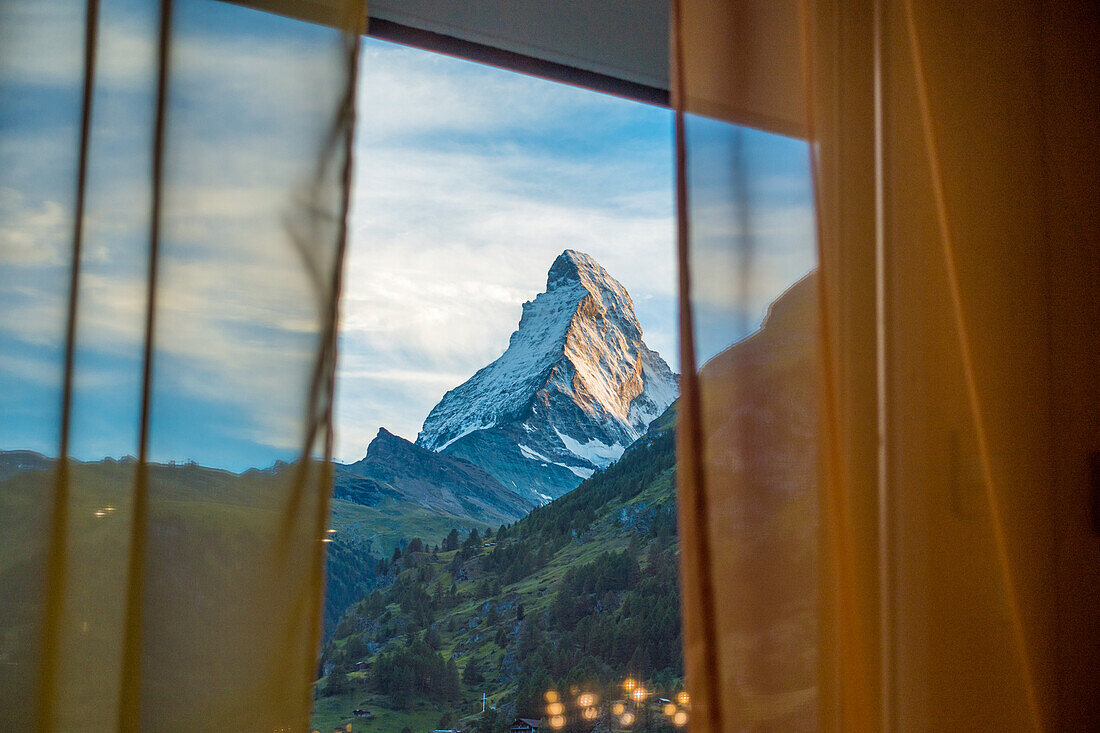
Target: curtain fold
x=906 y=404
x=174 y=182
x=748 y=431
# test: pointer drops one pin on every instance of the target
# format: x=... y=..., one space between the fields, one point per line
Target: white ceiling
x=624 y=39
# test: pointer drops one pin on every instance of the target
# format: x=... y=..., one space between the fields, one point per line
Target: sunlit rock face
x=575 y=387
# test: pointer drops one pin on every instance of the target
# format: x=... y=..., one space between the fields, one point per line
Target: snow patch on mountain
x=464 y=433
x=534 y=455
x=595 y=452
x=583 y=473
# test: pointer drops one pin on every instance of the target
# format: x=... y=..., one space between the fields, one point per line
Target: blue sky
x=469 y=181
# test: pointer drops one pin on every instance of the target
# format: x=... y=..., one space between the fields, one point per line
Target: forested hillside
x=582 y=591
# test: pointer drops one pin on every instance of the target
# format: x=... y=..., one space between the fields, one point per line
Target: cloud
x=469 y=182
x=406 y=93
x=32 y=233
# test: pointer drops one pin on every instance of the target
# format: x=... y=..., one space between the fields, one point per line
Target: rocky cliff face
x=576 y=385
x=399 y=470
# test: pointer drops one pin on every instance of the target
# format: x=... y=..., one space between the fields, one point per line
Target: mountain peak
x=573 y=266
x=576 y=385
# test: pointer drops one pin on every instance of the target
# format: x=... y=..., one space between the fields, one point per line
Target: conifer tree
x=472 y=674
x=451 y=688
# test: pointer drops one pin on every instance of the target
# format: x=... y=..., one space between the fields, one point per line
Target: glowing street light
x=617 y=708
x=680 y=719
x=626 y=719
x=629 y=684
x=587 y=700
x=669 y=709
x=555 y=708
x=639 y=694
x=551 y=696
x=683 y=698
x=557 y=722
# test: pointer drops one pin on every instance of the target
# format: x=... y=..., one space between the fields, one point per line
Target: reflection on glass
x=250 y=211
x=753 y=298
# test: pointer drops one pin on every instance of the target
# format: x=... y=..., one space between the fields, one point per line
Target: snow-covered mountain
x=576 y=386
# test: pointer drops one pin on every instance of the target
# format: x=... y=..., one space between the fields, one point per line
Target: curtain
x=173 y=185
x=749 y=489
x=868 y=464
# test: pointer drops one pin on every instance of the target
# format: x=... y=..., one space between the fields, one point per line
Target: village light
x=587 y=700
x=557 y=722
x=551 y=696
x=669 y=709
x=683 y=698
x=626 y=719
x=555 y=708
x=639 y=694
x=629 y=684
x=590 y=713
x=617 y=708
x=680 y=719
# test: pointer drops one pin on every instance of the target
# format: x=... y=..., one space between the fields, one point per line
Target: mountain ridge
x=396 y=467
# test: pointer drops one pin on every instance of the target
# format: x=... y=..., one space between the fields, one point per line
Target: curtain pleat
x=174 y=183
x=868 y=467
x=967 y=392
x=748 y=430
x=57 y=550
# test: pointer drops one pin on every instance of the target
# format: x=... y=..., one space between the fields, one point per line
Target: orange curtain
x=871 y=475
x=174 y=182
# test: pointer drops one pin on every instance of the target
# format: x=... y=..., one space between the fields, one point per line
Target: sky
x=468 y=182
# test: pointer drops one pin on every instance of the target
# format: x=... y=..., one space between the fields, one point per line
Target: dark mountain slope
x=396 y=469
